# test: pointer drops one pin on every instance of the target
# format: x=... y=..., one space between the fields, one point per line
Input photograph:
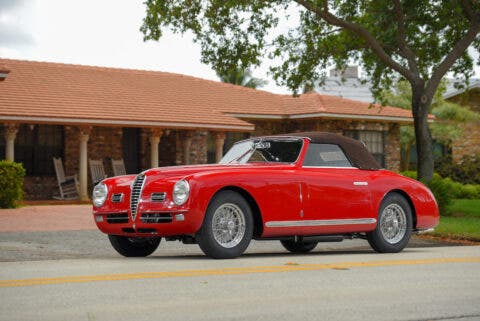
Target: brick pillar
x=155 y=136
x=11 y=131
x=219 y=141
x=84 y=136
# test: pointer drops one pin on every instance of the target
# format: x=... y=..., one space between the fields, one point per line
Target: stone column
x=219 y=142
x=11 y=131
x=84 y=136
x=187 y=143
x=155 y=136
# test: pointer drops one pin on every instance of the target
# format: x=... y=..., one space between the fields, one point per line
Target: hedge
x=11 y=183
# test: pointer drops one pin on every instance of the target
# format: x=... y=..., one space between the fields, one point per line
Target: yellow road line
x=289 y=267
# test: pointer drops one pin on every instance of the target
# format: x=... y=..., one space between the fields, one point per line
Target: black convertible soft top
x=355 y=150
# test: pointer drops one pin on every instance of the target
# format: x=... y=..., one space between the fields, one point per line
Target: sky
x=99 y=33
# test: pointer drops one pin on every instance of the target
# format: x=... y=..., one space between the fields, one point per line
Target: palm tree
x=242 y=77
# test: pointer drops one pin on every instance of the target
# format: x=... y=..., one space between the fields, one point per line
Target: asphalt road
x=77 y=276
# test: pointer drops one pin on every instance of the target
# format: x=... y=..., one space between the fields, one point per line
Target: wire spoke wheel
x=394 y=226
x=228 y=225
x=227 y=228
x=393 y=223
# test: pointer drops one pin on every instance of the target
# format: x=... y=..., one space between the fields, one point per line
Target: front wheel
x=227 y=227
x=134 y=246
x=298 y=246
x=394 y=226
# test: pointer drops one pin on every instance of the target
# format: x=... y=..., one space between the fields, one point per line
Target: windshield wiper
x=251 y=150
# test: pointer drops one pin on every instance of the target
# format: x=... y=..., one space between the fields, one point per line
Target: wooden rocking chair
x=118 y=167
x=97 y=171
x=67 y=185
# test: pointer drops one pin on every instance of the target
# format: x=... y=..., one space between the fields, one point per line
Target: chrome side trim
x=356 y=221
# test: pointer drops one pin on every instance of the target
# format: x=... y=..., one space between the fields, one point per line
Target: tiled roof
x=73 y=94
x=316 y=105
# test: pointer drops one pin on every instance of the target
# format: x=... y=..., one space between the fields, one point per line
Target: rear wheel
x=134 y=246
x=394 y=226
x=227 y=227
x=298 y=246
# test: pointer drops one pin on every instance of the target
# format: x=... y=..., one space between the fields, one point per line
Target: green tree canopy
x=419 y=41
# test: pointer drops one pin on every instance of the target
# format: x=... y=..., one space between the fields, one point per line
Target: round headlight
x=181 y=191
x=99 y=195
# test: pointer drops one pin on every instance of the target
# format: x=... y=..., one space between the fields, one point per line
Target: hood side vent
x=158 y=197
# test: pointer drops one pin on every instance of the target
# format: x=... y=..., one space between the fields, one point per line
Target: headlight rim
x=100 y=201
x=183 y=200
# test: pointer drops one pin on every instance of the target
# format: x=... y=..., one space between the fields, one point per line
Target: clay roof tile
x=64 y=93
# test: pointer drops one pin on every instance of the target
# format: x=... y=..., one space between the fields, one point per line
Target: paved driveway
x=47 y=218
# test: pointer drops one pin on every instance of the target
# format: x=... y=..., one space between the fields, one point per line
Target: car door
x=334 y=193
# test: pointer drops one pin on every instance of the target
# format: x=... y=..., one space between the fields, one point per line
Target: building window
x=35 y=147
x=230 y=139
x=374 y=140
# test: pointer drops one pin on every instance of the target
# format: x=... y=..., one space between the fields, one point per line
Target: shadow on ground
x=34 y=246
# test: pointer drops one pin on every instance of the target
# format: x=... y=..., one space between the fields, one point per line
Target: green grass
x=463 y=222
x=465 y=208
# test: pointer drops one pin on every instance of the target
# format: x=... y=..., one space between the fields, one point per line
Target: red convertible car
x=300 y=189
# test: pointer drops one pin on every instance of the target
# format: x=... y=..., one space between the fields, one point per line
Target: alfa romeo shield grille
x=136 y=194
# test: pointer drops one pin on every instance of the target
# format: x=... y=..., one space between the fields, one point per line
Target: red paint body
x=281 y=192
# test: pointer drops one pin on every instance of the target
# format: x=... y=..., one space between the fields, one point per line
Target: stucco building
x=156 y=119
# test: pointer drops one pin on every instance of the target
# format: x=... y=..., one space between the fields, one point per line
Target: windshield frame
x=254 y=140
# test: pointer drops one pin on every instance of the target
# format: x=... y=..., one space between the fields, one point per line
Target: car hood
x=183 y=171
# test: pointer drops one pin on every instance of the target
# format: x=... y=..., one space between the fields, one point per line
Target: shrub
x=466 y=172
x=469 y=191
x=442 y=191
x=455 y=187
x=410 y=174
x=11 y=183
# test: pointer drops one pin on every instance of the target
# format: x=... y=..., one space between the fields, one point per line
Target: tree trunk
x=405 y=161
x=420 y=107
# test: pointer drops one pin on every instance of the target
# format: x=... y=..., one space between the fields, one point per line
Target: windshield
x=263 y=150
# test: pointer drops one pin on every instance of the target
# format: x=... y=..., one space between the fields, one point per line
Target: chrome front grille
x=136 y=194
x=156 y=218
x=117 y=218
